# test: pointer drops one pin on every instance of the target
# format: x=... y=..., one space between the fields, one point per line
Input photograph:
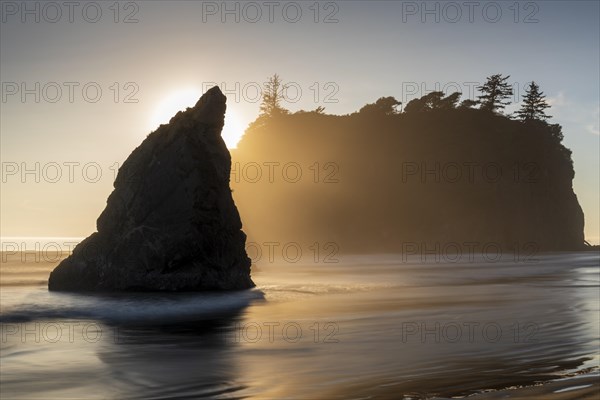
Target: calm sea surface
x=367 y=327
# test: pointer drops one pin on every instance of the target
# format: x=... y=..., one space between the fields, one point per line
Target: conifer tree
x=534 y=105
x=494 y=93
x=273 y=95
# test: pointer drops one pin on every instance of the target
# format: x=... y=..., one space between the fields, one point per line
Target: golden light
x=233 y=129
x=181 y=99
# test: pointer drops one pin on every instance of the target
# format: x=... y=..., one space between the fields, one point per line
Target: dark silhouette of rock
x=442 y=180
x=171 y=223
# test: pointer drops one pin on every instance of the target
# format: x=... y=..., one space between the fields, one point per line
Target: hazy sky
x=80 y=91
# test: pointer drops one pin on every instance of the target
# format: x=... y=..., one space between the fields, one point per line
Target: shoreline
x=579 y=385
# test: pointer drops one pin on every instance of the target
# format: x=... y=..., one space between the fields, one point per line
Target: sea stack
x=170 y=223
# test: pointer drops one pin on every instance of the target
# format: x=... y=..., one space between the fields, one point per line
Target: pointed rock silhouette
x=171 y=223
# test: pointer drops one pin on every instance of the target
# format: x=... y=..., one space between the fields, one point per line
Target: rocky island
x=171 y=223
x=436 y=176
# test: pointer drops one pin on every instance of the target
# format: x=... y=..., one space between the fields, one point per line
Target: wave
x=130 y=308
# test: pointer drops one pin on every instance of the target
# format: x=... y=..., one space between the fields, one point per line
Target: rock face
x=171 y=223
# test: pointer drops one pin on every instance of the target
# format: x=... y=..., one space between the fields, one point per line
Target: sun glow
x=181 y=99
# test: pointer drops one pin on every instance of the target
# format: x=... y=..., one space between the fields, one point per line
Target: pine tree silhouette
x=494 y=93
x=534 y=104
x=273 y=95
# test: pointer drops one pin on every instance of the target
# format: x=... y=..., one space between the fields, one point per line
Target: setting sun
x=181 y=99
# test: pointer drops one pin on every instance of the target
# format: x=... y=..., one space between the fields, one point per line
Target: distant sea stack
x=171 y=223
x=438 y=181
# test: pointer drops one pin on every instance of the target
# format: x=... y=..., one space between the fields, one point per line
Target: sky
x=83 y=83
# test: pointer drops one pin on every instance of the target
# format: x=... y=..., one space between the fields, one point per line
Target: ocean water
x=365 y=327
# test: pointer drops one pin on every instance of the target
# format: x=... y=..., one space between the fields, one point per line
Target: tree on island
x=534 y=104
x=272 y=96
x=384 y=105
x=494 y=93
x=433 y=101
x=449 y=102
x=467 y=103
